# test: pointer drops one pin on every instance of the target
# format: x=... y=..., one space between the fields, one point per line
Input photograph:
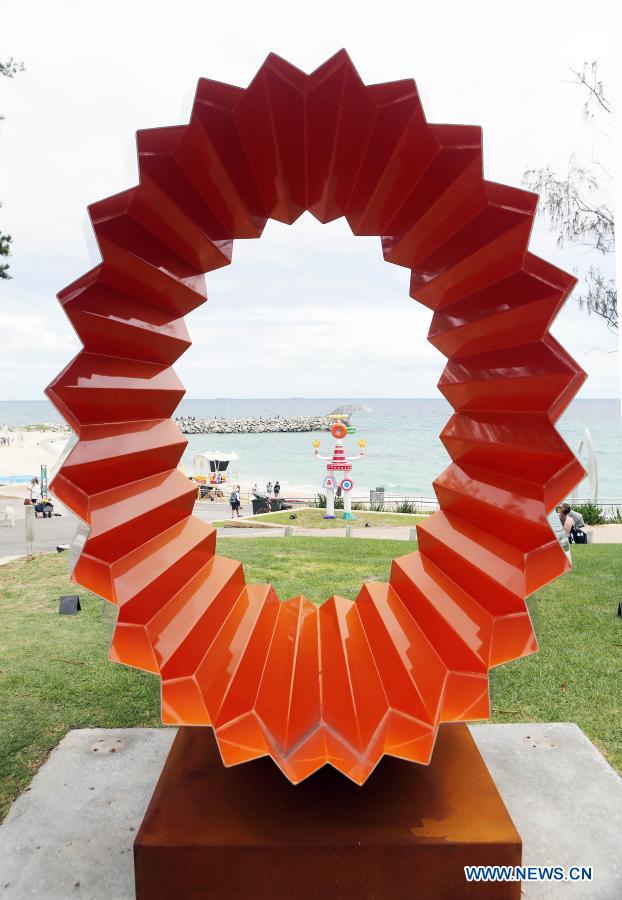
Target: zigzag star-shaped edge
x=346 y=682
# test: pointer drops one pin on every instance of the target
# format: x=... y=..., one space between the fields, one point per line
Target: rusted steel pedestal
x=246 y=832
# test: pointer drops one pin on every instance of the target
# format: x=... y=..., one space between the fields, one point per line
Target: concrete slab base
x=565 y=800
x=71 y=833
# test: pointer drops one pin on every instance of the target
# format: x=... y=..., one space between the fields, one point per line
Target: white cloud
x=307 y=308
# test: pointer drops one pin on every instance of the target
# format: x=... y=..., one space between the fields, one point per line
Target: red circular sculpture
x=338 y=430
x=345 y=682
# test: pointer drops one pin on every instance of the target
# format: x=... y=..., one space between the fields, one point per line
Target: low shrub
x=592 y=514
x=616 y=516
x=406 y=506
x=319 y=502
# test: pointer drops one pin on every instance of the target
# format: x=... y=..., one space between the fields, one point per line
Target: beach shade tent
x=345 y=682
x=212 y=462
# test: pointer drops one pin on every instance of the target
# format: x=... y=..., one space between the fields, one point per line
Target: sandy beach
x=27 y=450
x=22 y=453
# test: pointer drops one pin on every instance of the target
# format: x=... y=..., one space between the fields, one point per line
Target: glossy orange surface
x=346 y=682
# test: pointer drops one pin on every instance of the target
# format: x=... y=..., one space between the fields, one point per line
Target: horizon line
x=301 y=397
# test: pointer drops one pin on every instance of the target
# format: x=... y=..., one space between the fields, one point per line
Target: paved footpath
x=608 y=534
x=50 y=533
x=392 y=533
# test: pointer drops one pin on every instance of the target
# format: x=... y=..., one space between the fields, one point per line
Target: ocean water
x=403 y=453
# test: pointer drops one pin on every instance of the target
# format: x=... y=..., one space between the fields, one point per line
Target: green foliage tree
x=571 y=202
x=7 y=69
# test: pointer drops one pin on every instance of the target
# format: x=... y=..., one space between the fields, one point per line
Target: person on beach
x=234 y=502
x=573 y=523
x=33 y=490
x=269 y=488
x=277 y=488
x=254 y=489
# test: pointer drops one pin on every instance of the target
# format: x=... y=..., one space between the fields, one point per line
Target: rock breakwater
x=256 y=425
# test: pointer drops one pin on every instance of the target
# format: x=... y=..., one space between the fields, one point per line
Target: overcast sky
x=309 y=310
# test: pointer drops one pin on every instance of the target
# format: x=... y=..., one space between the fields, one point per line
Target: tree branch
x=597 y=89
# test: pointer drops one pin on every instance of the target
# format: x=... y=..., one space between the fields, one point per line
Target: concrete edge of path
x=8 y=559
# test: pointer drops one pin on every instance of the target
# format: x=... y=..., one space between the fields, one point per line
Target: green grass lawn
x=54 y=672
x=314 y=518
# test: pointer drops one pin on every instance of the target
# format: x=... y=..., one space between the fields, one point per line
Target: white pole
x=330 y=503
x=29 y=511
x=347 y=505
